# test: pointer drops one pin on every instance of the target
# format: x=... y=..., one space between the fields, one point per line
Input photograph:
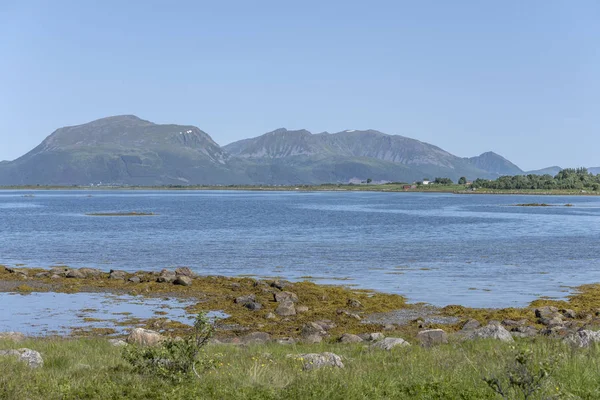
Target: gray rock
x=117 y=342
x=556 y=332
x=60 y=271
x=54 y=276
x=134 y=279
x=13 y=336
x=245 y=299
x=546 y=312
x=569 y=313
x=350 y=338
x=389 y=343
x=256 y=338
x=144 y=337
x=582 y=338
x=348 y=314
x=326 y=324
x=166 y=276
x=278 y=284
x=312 y=328
x=320 y=360
x=281 y=297
x=552 y=322
x=185 y=271
x=301 y=309
x=75 y=273
x=354 y=303
x=286 y=341
x=91 y=272
x=253 y=305
x=432 y=337
x=31 y=357
x=524 y=331
x=372 y=337
x=42 y=275
x=312 y=339
x=271 y=315
x=285 y=309
x=183 y=280
x=116 y=274
x=471 y=325
x=491 y=331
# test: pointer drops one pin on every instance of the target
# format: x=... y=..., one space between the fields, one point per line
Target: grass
x=92 y=369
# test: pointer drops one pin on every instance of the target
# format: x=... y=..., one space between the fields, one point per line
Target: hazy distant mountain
x=121 y=149
x=495 y=164
x=545 y=171
x=128 y=150
x=386 y=157
x=594 y=170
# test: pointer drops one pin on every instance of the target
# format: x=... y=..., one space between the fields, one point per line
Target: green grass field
x=93 y=369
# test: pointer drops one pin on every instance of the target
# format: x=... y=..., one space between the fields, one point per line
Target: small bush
x=174 y=359
x=523 y=379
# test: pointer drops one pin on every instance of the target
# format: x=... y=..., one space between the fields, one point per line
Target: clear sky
x=521 y=78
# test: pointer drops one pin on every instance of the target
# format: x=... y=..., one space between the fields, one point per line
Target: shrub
x=174 y=359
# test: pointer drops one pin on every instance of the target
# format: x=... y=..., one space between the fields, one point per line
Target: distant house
x=408 y=187
x=426 y=182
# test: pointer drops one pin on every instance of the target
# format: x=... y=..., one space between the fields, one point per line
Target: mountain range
x=131 y=151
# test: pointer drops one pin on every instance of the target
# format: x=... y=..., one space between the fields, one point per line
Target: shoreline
x=455 y=189
x=256 y=304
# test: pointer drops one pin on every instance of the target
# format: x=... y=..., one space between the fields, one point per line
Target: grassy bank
x=93 y=369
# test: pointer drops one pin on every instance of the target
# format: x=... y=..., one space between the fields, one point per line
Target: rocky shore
x=260 y=311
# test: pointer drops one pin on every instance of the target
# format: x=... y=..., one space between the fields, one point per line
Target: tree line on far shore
x=570 y=178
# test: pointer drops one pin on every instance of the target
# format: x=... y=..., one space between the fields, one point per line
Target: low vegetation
x=93 y=369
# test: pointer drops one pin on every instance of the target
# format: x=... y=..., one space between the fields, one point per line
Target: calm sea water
x=475 y=250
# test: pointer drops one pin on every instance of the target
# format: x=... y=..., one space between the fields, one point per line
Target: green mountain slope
x=124 y=150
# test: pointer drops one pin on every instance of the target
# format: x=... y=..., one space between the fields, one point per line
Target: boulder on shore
x=31 y=357
x=319 y=360
x=491 y=331
x=432 y=337
x=285 y=309
x=144 y=337
x=389 y=343
x=583 y=338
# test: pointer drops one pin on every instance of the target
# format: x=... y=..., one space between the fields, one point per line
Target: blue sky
x=521 y=78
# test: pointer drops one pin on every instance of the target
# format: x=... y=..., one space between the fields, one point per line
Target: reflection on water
x=38 y=314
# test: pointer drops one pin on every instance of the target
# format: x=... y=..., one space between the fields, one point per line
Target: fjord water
x=474 y=250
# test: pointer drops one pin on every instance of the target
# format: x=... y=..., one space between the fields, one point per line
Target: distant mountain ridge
x=128 y=150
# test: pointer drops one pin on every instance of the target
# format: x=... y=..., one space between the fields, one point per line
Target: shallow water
x=37 y=314
x=474 y=250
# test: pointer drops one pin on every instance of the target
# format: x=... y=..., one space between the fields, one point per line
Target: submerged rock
x=31 y=357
